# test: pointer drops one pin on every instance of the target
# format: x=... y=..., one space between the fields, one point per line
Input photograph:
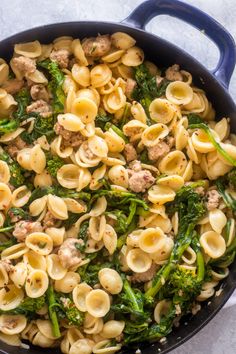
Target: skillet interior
x=163 y=54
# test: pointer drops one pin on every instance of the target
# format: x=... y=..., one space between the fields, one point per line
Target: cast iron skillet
x=215 y=83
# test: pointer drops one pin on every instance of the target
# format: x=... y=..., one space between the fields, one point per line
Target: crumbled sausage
x=73 y=139
x=140 y=181
x=156 y=151
x=68 y=254
x=173 y=73
x=145 y=276
x=97 y=47
x=15 y=146
x=41 y=107
x=130 y=152
x=61 y=57
x=135 y=166
x=6 y=263
x=13 y=86
x=39 y=92
x=213 y=199
x=130 y=85
x=48 y=220
x=24 y=65
x=24 y=228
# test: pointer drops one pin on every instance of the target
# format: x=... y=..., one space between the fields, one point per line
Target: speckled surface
x=218 y=337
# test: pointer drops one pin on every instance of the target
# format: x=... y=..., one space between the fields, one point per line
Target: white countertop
x=218 y=337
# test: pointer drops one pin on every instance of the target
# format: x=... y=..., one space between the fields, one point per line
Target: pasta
x=117 y=195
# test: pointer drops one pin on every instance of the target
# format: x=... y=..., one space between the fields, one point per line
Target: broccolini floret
x=191 y=208
x=54 y=163
x=17 y=178
x=29 y=306
x=69 y=311
x=55 y=84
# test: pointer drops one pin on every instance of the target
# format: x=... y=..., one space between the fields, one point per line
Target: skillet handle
x=197 y=18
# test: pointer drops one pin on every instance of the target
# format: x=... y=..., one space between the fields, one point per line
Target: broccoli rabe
x=224 y=184
x=191 y=208
x=147 y=89
x=117 y=130
x=55 y=84
x=131 y=301
x=196 y=122
x=17 y=178
x=16 y=213
x=8 y=125
x=29 y=306
x=83 y=235
x=52 y=310
x=10 y=242
x=67 y=309
x=59 y=191
x=54 y=163
x=42 y=126
x=102 y=119
x=23 y=99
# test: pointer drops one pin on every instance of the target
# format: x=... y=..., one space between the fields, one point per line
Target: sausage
x=156 y=151
x=130 y=86
x=140 y=181
x=73 y=139
x=24 y=65
x=68 y=254
x=39 y=92
x=130 y=152
x=41 y=107
x=145 y=276
x=173 y=73
x=15 y=146
x=213 y=199
x=97 y=47
x=61 y=57
x=24 y=228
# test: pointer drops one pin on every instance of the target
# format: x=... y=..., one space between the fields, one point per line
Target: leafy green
x=42 y=126
x=28 y=307
x=223 y=186
x=53 y=164
x=83 y=235
x=195 y=122
x=66 y=308
x=23 y=99
x=191 y=208
x=12 y=241
x=147 y=89
x=102 y=119
x=55 y=84
x=59 y=191
x=19 y=213
x=17 y=178
x=8 y=125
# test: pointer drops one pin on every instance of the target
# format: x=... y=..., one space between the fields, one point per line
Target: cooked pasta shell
x=174 y=162
x=110 y=280
x=98 y=146
x=80 y=294
x=10 y=297
x=20 y=196
x=18 y=274
x=70 y=122
x=97 y=303
x=100 y=75
x=67 y=283
x=179 y=92
x=36 y=283
x=57 y=207
x=81 y=75
x=34 y=260
x=217 y=220
x=152 y=240
x=119 y=176
x=161 y=309
x=162 y=111
x=3 y=276
x=37 y=159
x=122 y=40
x=54 y=267
x=110 y=239
x=213 y=244
x=174 y=182
x=29 y=49
x=138 y=261
x=158 y=194
x=5 y=196
x=68 y=176
x=4 y=172
x=133 y=56
x=154 y=134
x=39 y=242
x=14 y=252
x=12 y=324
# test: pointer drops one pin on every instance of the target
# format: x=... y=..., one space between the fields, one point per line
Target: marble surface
x=218 y=337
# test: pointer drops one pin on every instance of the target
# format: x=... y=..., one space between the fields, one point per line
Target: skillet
x=214 y=82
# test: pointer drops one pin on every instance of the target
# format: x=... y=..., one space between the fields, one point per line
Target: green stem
x=6 y=229
x=131 y=295
x=52 y=313
x=218 y=147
